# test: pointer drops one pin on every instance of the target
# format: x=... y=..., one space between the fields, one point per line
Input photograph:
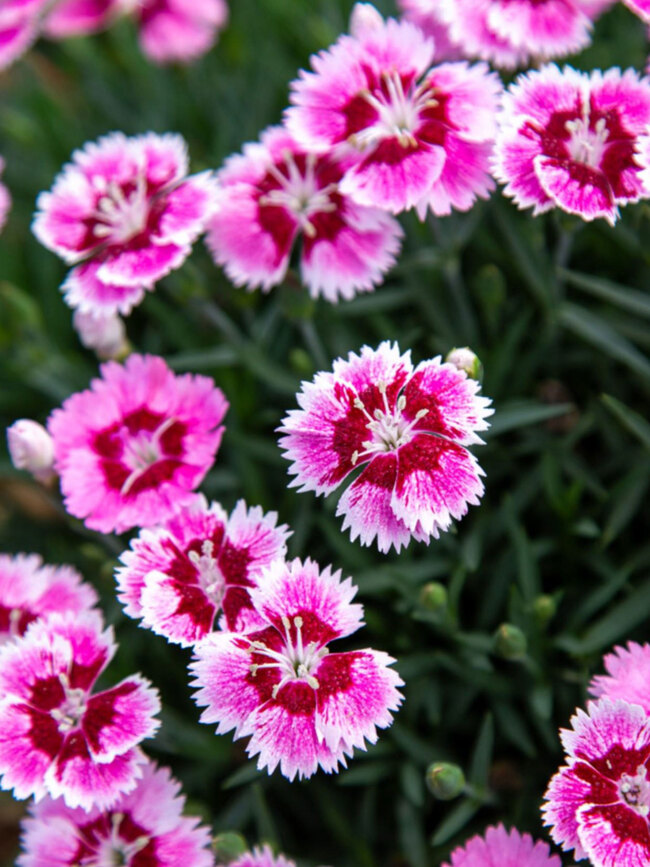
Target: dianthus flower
x=409 y=426
x=55 y=737
x=276 y=191
x=125 y=214
x=568 y=139
x=628 y=675
x=29 y=590
x=144 y=828
x=598 y=803
x=500 y=848
x=5 y=198
x=131 y=449
x=426 y=15
x=511 y=33
x=418 y=135
x=261 y=856
x=178 y=577
x=19 y=26
x=80 y=17
x=180 y=30
x=303 y=705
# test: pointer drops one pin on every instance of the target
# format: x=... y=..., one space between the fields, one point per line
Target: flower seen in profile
x=56 y=736
x=31 y=448
x=124 y=214
x=144 y=828
x=132 y=448
x=303 y=705
x=568 y=139
x=275 y=192
x=501 y=848
x=418 y=135
x=598 y=804
x=407 y=428
x=178 y=577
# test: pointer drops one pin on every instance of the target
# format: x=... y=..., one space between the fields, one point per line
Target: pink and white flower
x=274 y=192
x=260 y=856
x=19 y=27
x=56 y=737
x=180 y=30
x=144 y=827
x=410 y=427
x=568 y=139
x=598 y=804
x=30 y=590
x=80 y=17
x=409 y=128
x=5 y=197
x=303 y=705
x=511 y=33
x=125 y=214
x=628 y=676
x=31 y=448
x=178 y=577
x=131 y=449
x=500 y=848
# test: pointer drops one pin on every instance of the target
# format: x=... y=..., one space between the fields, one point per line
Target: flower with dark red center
x=124 y=214
x=144 y=828
x=408 y=128
x=131 y=449
x=29 y=590
x=500 y=848
x=410 y=427
x=599 y=803
x=275 y=192
x=178 y=577
x=58 y=738
x=569 y=139
x=303 y=705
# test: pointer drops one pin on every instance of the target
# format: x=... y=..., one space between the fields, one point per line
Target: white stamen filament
x=142 y=451
x=294 y=661
x=73 y=707
x=121 y=217
x=635 y=791
x=587 y=145
x=389 y=428
x=210 y=576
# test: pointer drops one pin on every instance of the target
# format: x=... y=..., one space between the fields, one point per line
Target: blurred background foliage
x=528 y=590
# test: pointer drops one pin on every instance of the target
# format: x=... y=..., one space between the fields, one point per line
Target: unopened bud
x=31 y=448
x=465 y=359
x=510 y=642
x=433 y=596
x=445 y=781
x=229 y=846
x=544 y=608
x=104 y=333
x=364 y=18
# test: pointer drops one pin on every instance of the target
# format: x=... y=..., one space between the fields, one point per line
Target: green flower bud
x=445 y=781
x=465 y=359
x=433 y=597
x=544 y=608
x=229 y=846
x=510 y=642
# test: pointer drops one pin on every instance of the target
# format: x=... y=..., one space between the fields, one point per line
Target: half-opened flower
x=303 y=705
x=144 y=828
x=375 y=98
x=275 y=192
x=31 y=448
x=501 y=848
x=409 y=427
x=180 y=30
x=510 y=33
x=568 y=139
x=598 y=803
x=628 y=675
x=29 y=590
x=178 y=577
x=58 y=738
x=124 y=214
x=132 y=448
x=262 y=856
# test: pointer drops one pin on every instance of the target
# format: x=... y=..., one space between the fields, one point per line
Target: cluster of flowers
x=598 y=804
x=170 y=30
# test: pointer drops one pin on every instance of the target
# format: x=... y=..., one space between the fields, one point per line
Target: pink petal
x=187 y=208
x=180 y=612
x=606 y=723
x=614 y=835
x=119 y=718
x=84 y=291
x=576 y=188
x=142 y=266
x=566 y=793
x=84 y=783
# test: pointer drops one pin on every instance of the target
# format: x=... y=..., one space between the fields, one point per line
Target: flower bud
x=105 y=333
x=433 y=597
x=465 y=359
x=510 y=642
x=445 y=781
x=31 y=448
x=229 y=846
x=544 y=608
x=364 y=19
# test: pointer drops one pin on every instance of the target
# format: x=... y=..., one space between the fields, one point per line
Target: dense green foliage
x=558 y=312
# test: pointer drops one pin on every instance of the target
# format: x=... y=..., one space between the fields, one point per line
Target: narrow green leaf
x=630 y=419
x=479 y=768
x=520 y=413
x=455 y=820
x=626 y=500
x=627 y=299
